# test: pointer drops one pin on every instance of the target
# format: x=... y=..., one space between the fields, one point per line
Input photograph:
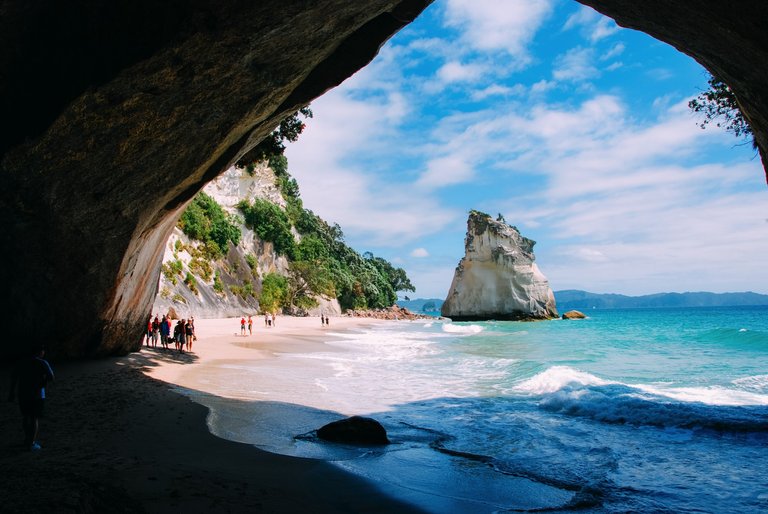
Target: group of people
x=270 y=320
x=242 y=325
x=323 y=320
x=182 y=334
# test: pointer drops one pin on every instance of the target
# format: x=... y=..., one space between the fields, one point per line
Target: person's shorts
x=32 y=408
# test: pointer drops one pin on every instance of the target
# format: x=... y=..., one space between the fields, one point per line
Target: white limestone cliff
x=498 y=278
x=234 y=269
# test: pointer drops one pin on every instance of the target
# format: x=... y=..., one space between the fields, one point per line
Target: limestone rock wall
x=497 y=278
x=204 y=300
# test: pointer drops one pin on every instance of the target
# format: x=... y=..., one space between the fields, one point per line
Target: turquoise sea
x=626 y=411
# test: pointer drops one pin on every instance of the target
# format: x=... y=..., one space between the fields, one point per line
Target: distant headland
x=583 y=300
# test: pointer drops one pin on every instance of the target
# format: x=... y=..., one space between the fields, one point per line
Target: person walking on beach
x=182 y=335
x=326 y=321
x=164 y=332
x=28 y=383
x=266 y=320
x=250 y=326
x=177 y=334
x=155 y=331
x=189 y=332
x=322 y=320
x=149 y=330
x=242 y=326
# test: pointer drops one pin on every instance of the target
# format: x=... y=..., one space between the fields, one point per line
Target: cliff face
x=497 y=278
x=115 y=114
x=236 y=291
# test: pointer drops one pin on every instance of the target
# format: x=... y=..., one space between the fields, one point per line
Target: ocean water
x=626 y=411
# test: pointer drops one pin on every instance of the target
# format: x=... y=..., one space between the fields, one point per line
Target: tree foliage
x=206 y=221
x=718 y=105
x=273 y=145
x=306 y=279
x=274 y=292
x=270 y=223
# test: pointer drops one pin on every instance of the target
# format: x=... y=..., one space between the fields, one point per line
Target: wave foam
x=556 y=378
x=757 y=383
x=462 y=329
x=571 y=392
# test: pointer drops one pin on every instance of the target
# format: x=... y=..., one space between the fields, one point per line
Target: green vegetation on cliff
x=719 y=105
x=270 y=223
x=206 y=221
x=320 y=260
x=321 y=263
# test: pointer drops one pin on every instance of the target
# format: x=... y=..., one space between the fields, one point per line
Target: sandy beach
x=117 y=437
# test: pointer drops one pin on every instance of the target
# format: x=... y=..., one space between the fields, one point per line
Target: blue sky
x=574 y=129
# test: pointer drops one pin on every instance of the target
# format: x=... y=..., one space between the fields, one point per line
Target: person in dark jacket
x=165 y=332
x=28 y=383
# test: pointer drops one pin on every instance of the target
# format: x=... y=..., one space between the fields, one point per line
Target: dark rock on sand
x=574 y=315
x=354 y=430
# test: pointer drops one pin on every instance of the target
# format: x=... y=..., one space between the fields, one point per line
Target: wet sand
x=118 y=438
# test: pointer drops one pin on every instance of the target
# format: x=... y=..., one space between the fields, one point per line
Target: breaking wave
x=570 y=392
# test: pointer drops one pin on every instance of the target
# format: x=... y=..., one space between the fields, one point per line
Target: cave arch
x=116 y=115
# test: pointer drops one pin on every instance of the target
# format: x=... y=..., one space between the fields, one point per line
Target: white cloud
x=371 y=209
x=583 y=16
x=660 y=74
x=457 y=72
x=603 y=28
x=615 y=51
x=446 y=171
x=542 y=86
x=576 y=65
x=497 y=90
x=420 y=253
x=593 y=25
x=585 y=254
x=490 y=25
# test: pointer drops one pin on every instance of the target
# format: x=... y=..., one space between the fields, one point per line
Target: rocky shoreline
x=394 y=313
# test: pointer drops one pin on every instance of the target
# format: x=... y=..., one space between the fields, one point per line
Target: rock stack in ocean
x=498 y=278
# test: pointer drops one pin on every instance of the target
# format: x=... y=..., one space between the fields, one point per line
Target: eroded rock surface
x=497 y=278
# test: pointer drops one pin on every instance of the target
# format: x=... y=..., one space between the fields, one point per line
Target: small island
x=497 y=279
